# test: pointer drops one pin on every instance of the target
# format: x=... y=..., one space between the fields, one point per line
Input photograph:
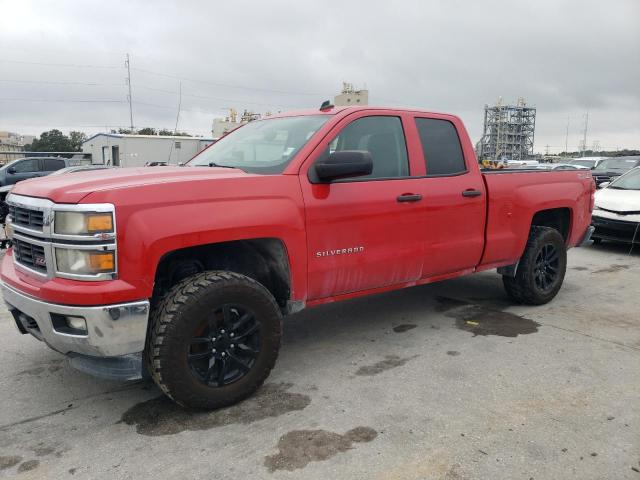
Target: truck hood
x=73 y=187
x=618 y=200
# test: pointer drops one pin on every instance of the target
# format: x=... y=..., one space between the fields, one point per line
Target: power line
x=225 y=85
x=218 y=99
x=66 y=65
x=46 y=82
x=44 y=100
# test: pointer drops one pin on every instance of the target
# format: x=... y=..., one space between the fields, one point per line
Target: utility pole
x=175 y=130
x=566 y=138
x=128 y=65
x=584 y=133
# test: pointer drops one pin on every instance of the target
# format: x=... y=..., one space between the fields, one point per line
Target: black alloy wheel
x=213 y=339
x=546 y=267
x=226 y=345
x=541 y=269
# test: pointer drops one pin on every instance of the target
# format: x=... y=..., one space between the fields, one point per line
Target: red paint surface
x=159 y=210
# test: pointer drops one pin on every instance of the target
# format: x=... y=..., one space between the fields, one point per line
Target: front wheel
x=541 y=269
x=214 y=339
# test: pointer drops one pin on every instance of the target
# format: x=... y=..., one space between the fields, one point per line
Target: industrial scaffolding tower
x=508 y=132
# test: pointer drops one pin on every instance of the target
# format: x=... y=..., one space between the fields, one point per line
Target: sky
x=62 y=64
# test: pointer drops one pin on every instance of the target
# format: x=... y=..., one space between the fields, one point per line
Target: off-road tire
x=180 y=312
x=522 y=288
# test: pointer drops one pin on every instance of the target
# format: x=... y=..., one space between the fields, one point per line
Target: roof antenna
x=326 y=105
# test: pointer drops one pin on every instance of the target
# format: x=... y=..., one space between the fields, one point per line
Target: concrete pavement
x=443 y=381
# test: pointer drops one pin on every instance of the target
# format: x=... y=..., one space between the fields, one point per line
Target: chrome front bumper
x=112 y=330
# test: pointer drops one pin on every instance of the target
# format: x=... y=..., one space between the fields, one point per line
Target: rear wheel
x=541 y=269
x=214 y=339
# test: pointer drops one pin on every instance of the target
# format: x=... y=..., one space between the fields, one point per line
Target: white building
x=350 y=96
x=13 y=142
x=137 y=150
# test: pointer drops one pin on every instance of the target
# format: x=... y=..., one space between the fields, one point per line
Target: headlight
x=83 y=223
x=85 y=262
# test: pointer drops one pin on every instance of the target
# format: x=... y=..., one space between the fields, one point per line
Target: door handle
x=409 y=197
x=471 y=193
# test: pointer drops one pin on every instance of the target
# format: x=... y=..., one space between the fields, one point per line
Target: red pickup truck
x=186 y=272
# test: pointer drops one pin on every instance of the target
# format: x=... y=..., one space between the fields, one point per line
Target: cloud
x=564 y=57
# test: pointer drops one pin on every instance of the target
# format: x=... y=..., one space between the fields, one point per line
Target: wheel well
x=558 y=218
x=263 y=259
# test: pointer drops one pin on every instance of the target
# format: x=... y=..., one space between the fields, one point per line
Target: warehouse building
x=126 y=150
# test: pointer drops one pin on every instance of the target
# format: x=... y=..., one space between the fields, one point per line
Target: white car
x=616 y=215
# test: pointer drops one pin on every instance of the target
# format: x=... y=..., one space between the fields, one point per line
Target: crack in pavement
x=620 y=344
x=70 y=407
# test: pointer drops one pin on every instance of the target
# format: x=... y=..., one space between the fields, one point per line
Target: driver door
x=364 y=232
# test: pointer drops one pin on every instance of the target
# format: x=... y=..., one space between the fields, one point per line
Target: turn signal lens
x=102 y=262
x=100 y=223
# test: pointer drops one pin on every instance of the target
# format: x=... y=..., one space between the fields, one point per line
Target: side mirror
x=344 y=164
x=11 y=170
x=604 y=184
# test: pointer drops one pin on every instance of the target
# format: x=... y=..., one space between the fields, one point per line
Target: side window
x=26 y=166
x=52 y=164
x=383 y=138
x=441 y=147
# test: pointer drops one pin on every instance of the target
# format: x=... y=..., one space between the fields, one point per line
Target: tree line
x=56 y=141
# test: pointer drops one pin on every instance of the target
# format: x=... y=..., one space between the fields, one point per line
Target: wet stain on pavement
x=487 y=319
x=300 y=447
x=482 y=321
x=580 y=269
x=612 y=269
x=43 y=450
x=389 y=362
x=9 y=461
x=453 y=353
x=50 y=367
x=28 y=465
x=404 y=327
x=161 y=416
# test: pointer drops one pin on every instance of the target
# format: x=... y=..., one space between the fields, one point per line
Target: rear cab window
x=53 y=164
x=441 y=147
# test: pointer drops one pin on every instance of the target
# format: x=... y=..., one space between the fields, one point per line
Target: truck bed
x=513 y=196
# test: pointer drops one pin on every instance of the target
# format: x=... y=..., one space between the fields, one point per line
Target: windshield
x=629 y=181
x=584 y=163
x=617 y=164
x=261 y=146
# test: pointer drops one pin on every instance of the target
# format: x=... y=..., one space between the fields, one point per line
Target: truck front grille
x=33 y=219
x=30 y=255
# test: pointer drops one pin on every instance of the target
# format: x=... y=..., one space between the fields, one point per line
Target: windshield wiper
x=214 y=164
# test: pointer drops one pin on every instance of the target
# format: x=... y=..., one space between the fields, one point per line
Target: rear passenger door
x=363 y=232
x=455 y=199
x=50 y=165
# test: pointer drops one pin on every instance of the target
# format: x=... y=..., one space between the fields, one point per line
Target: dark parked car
x=4 y=190
x=611 y=168
x=31 y=167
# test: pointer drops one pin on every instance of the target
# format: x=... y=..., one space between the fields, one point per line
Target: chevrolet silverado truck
x=185 y=273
